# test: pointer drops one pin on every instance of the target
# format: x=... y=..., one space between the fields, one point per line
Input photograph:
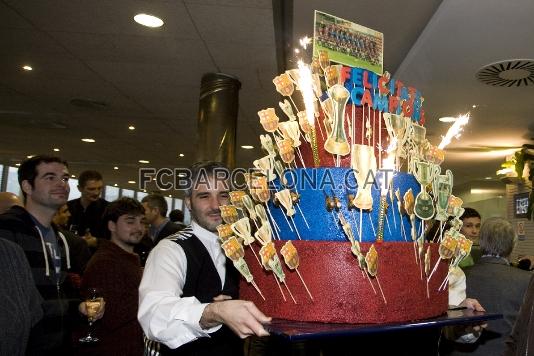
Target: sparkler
x=455 y=130
x=306 y=89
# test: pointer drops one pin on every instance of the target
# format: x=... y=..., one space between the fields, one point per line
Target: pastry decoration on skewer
x=271 y=262
x=291 y=258
x=234 y=251
x=371 y=260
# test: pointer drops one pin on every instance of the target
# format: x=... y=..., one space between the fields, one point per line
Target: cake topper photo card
x=348 y=43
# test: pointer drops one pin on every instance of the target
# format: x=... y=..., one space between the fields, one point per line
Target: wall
x=526 y=246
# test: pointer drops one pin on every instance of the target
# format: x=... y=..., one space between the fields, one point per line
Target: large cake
x=339 y=182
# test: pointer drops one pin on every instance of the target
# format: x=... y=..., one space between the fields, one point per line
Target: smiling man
x=44 y=184
x=115 y=271
x=188 y=294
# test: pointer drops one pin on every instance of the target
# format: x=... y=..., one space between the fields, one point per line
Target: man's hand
x=243 y=317
x=472 y=304
x=82 y=308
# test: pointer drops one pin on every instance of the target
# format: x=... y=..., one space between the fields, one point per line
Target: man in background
x=156 y=215
x=177 y=217
x=115 y=271
x=471 y=229
x=86 y=211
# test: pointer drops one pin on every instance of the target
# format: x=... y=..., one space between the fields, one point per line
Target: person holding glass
x=44 y=184
x=115 y=272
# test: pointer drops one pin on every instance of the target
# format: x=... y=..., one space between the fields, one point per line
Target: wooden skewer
x=304 y=283
x=254 y=253
x=381 y=291
x=289 y=291
x=257 y=289
x=280 y=287
x=371 y=283
x=295 y=225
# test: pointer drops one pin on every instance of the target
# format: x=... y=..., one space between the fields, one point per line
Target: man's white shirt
x=163 y=314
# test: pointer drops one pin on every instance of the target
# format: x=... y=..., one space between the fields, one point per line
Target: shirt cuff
x=192 y=315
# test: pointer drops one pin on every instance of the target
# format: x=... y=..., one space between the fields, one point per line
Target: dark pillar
x=217 y=118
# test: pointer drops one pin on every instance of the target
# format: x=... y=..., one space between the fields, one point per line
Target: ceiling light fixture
x=89 y=140
x=115 y=185
x=247 y=147
x=487 y=178
x=181 y=155
x=131 y=181
x=30 y=156
x=115 y=167
x=144 y=161
x=131 y=127
x=447 y=119
x=17 y=164
x=27 y=68
x=148 y=20
x=73 y=176
x=56 y=149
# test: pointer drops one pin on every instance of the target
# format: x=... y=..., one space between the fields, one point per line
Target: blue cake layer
x=313 y=183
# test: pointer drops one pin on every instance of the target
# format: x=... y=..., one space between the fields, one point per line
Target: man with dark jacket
x=44 y=184
x=156 y=215
x=86 y=211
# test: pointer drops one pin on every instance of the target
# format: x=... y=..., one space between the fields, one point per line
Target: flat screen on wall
x=520 y=205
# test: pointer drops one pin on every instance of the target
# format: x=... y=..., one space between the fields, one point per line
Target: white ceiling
x=151 y=77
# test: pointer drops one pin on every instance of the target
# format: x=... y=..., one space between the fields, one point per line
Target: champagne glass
x=93 y=304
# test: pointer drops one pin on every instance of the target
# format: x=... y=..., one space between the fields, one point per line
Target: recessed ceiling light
x=30 y=156
x=56 y=149
x=182 y=174
x=131 y=181
x=487 y=178
x=474 y=106
x=143 y=161
x=115 y=167
x=17 y=164
x=115 y=185
x=90 y=140
x=247 y=147
x=181 y=155
x=28 y=68
x=447 y=119
x=170 y=196
x=73 y=176
x=131 y=127
x=148 y=20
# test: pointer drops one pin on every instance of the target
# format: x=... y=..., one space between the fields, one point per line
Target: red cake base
x=341 y=293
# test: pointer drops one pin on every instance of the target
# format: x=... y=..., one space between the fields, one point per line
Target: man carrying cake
x=188 y=296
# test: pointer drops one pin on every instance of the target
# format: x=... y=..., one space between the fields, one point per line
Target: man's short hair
x=470 y=213
x=176 y=215
x=497 y=237
x=86 y=176
x=120 y=207
x=28 y=168
x=204 y=169
x=155 y=200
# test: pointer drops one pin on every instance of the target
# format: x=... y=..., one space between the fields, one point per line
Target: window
x=141 y=195
x=112 y=193
x=127 y=193
x=74 y=192
x=13 y=181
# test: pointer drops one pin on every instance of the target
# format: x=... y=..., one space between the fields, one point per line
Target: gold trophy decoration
x=363 y=165
x=425 y=173
x=267 y=145
x=336 y=143
x=397 y=127
x=265 y=165
x=287 y=109
x=234 y=251
x=284 y=197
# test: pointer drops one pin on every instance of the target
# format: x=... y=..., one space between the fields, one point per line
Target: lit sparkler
x=306 y=88
x=455 y=130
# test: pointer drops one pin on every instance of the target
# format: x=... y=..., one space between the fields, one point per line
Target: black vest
x=203 y=282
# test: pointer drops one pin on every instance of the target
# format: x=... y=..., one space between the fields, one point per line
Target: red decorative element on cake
x=342 y=293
